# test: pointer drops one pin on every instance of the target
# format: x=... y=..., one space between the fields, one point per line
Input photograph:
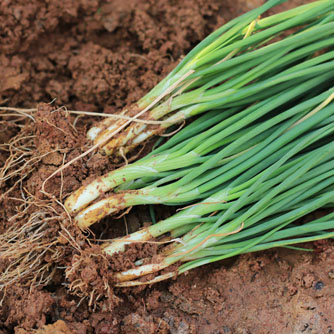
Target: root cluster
x=34 y=235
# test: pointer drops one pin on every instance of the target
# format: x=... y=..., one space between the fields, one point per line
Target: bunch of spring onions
x=260 y=156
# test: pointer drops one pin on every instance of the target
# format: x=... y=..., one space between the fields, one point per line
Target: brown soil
x=100 y=56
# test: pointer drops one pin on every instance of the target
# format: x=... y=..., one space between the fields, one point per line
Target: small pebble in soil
x=226 y=330
x=319 y=285
x=331 y=274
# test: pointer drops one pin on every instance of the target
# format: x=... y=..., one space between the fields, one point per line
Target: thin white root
x=27 y=113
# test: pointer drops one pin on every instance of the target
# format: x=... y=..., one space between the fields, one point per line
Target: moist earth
x=102 y=56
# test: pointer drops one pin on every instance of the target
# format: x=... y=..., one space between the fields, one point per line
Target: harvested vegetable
x=260 y=156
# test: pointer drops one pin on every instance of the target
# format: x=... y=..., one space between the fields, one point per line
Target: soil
x=100 y=56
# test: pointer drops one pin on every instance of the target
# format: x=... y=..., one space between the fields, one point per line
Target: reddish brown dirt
x=100 y=56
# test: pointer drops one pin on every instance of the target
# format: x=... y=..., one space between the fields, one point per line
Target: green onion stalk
x=221 y=70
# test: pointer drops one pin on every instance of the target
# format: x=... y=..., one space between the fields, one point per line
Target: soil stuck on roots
x=101 y=56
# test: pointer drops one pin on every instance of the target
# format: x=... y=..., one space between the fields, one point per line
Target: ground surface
x=100 y=56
